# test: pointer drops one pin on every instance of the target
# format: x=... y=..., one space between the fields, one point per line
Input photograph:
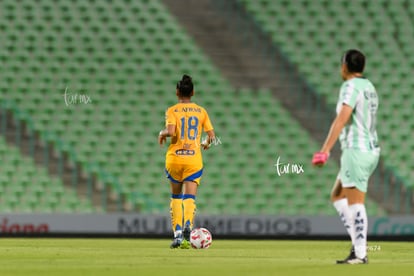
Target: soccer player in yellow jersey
x=185 y=122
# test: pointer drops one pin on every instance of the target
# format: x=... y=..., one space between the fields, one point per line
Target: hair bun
x=185 y=86
x=186 y=78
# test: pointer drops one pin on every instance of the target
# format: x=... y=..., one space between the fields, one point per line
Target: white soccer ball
x=200 y=238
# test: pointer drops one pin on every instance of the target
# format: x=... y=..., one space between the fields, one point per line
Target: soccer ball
x=200 y=238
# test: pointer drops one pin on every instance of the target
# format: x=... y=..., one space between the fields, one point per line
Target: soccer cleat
x=178 y=239
x=350 y=256
x=185 y=244
x=176 y=242
x=358 y=261
x=353 y=259
x=180 y=242
x=187 y=232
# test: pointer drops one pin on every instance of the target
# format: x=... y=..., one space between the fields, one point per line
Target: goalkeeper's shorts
x=356 y=168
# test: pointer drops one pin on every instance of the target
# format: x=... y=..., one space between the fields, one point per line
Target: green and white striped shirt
x=360 y=132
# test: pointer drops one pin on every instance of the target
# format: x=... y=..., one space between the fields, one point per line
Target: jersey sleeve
x=349 y=95
x=207 y=123
x=169 y=117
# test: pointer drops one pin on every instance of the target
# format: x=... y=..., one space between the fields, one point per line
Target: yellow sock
x=189 y=206
x=176 y=212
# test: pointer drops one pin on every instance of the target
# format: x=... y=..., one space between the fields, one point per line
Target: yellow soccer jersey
x=190 y=120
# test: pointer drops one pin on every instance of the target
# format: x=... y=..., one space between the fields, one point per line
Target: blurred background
x=84 y=86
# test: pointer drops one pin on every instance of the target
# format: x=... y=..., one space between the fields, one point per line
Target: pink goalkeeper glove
x=320 y=158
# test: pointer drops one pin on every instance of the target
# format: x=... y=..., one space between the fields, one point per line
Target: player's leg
x=176 y=207
x=176 y=213
x=356 y=168
x=189 y=205
x=191 y=182
x=176 y=203
x=340 y=202
x=356 y=201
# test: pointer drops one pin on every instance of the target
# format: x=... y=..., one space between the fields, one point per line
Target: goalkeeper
x=354 y=125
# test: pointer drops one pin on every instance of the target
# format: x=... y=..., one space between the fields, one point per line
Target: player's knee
x=335 y=196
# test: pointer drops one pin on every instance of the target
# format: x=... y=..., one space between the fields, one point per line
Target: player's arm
x=170 y=123
x=211 y=136
x=208 y=128
x=169 y=131
x=338 y=124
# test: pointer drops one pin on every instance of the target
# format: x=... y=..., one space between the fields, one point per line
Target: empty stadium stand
x=313 y=34
x=95 y=78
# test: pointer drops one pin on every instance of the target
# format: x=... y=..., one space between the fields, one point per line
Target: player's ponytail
x=185 y=86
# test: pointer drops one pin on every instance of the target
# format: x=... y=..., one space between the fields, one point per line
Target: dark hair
x=185 y=86
x=354 y=60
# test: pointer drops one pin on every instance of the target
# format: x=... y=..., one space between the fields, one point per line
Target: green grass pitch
x=225 y=257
